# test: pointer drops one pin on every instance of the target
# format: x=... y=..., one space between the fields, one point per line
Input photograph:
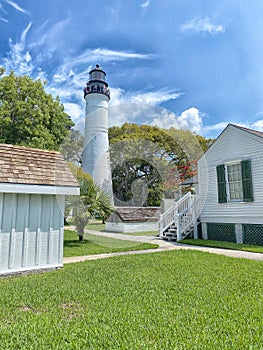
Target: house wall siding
x=31 y=231
x=234 y=144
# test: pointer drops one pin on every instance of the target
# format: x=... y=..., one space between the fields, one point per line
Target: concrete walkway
x=163 y=246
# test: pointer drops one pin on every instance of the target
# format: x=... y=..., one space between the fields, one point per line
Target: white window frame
x=229 y=199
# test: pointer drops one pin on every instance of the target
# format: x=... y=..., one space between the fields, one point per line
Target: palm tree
x=92 y=202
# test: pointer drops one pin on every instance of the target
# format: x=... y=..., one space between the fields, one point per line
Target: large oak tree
x=149 y=162
x=28 y=115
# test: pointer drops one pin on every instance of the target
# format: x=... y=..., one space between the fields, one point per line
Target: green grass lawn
x=173 y=300
x=225 y=245
x=98 y=245
x=101 y=227
x=96 y=226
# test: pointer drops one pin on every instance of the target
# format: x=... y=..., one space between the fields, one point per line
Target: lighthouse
x=95 y=157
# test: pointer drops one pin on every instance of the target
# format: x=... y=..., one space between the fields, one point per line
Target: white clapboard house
x=33 y=185
x=229 y=202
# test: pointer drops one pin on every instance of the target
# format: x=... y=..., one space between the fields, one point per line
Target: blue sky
x=182 y=63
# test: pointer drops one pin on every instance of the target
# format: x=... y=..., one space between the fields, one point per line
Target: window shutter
x=247 y=181
x=221 y=183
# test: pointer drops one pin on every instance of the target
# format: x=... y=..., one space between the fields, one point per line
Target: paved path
x=163 y=246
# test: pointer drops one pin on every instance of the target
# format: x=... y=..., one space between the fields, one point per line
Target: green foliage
x=224 y=245
x=72 y=147
x=99 y=245
x=160 y=158
x=29 y=116
x=172 y=300
x=93 y=201
x=205 y=143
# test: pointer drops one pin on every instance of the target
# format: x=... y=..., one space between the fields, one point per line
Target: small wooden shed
x=33 y=185
x=133 y=219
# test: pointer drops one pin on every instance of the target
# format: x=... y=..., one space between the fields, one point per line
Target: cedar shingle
x=23 y=165
x=138 y=214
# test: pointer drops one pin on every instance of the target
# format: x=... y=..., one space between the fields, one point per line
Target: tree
x=28 y=115
x=160 y=158
x=72 y=147
x=91 y=203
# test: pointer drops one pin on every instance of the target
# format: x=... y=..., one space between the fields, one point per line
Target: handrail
x=182 y=215
x=168 y=217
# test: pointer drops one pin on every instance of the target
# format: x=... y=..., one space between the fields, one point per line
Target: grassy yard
x=172 y=300
x=96 y=226
x=225 y=245
x=101 y=227
x=98 y=245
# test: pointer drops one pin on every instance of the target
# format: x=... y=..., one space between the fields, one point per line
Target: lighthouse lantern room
x=97 y=82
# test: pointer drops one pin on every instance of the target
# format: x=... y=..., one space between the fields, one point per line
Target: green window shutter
x=221 y=183
x=247 y=181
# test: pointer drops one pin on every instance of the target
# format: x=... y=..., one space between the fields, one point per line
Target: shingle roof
x=22 y=165
x=138 y=214
x=251 y=131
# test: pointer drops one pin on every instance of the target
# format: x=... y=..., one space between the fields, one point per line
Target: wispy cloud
x=24 y=33
x=84 y=61
x=138 y=97
x=215 y=129
x=202 y=25
x=16 y=6
x=145 y=4
x=110 y=55
x=48 y=39
x=4 y=20
x=19 y=59
x=2 y=9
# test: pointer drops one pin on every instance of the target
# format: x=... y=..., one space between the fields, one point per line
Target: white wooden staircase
x=180 y=220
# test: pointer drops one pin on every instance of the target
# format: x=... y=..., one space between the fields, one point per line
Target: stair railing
x=187 y=218
x=167 y=219
x=182 y=214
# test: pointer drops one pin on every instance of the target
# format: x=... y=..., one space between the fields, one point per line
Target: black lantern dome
x=97 y=83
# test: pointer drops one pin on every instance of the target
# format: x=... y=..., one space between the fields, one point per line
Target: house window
x=234 y=182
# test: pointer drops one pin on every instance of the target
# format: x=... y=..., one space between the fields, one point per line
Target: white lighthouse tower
x=95 y=158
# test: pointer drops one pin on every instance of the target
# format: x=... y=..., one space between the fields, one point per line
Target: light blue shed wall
x=31 y=231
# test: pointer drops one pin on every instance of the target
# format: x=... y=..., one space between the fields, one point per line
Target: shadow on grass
x=76 y=243
x=93 y=244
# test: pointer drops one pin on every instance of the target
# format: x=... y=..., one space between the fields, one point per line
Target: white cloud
x=24 y=33
x=145 y=4
x=16 y=6
x=202 y=25
x=154 y=97
x=215 y=129
x=83 y=63
x=4 y=20
x=74 y=110
x=105 y=55
x=258 y=125
x=118 y=96
x=137 y=106
x=19 y=59
x=190 y=119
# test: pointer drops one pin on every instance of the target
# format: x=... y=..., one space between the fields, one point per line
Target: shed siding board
x=61 y=207
x=31 y=233
x=234 y=144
